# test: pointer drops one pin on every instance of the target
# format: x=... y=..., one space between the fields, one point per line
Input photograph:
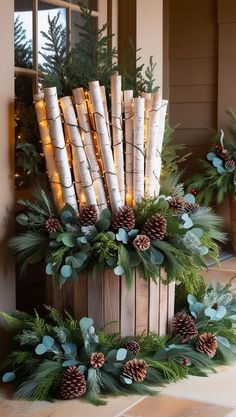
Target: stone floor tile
x=165 y=406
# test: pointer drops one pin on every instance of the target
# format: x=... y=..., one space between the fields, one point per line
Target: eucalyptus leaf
x=69 y=348
x=224 y=341
x=118 y=270
x=111 y=356
x=50 y=269
x=40 y=349
x=69 y=362
x=66 y=216
x=66 y=271
x=105 y=214
x=125 y=379
x=133 y=233
x=85 y=323
x=103 y=224
x=48 y=341
x=121 y=354
x=122 y=236
x=8 y=377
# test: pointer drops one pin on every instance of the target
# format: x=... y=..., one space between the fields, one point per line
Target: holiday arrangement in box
x=217 y=180
x=64 y=358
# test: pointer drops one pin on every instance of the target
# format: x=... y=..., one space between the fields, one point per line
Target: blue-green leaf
x=48 y=341
x=105 y=214
x=133 y=233
x=103 y=224
x=122 y=236
x=50 y=269
x=69 y=348
x=225 y=342
x=189 y=198
x=69 y=362
x=157 y=257
x=111 y=356
x=85 y=323
x=118 y=270
x=121 y=354
x=66 y=271
x=40 y=349
x=8 y=377
x=126 y=379
x=66 y=216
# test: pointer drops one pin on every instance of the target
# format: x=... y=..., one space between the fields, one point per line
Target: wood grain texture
x=154 y=301
x=163 y=305
x=171 y=305
x=80 y=295
x=142 y=305
x=127 y=309
x=96 y=299
x=111 y=301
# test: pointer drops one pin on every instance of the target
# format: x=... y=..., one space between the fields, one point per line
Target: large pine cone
x=123 y=218
x=52 y=225
x=191 y=207
x=155 y=227
x=207 y=343
x=72 y=384
x=141 y=242
x=184 y=326
x=176 y=204
x=133 y=346
x=97 y=360
x=135 y=369
x=88 y=215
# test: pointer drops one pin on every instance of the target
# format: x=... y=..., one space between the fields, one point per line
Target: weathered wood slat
x=127 y=309
x=171 y=305
x=142 y=305
x=80 y=296
x=163 y=309
x=111 y=285
x=96 y=299
x=154 y=301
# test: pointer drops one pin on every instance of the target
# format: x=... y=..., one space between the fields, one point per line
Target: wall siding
x=193 y=74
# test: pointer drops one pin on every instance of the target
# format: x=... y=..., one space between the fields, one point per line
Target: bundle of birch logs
x=100 y=157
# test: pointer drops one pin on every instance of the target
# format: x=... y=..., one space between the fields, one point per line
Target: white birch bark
x=104 y=102
x=87 y=138
x=117 y=132
x=138 y=150
x=148 y=106
x=161 y=132
x=80 y=162
x=152 y=139
x=128 y=111
x=105 y=146
x=58 y=142
x=48 y=150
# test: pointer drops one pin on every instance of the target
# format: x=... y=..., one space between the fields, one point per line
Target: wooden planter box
x=233 y=220
x=146 y=307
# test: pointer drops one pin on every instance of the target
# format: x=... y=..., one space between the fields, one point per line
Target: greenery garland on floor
x=64 y=358
x=165 y=233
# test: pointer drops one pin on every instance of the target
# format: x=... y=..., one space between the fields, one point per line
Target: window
x=31 y=18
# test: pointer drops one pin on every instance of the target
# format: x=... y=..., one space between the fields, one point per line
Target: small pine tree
x=23 y=48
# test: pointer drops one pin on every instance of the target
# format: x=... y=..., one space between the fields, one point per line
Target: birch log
x=117 y=132
x=152 y=139
x=58 y=142
x=87 y=138
x=161 y=133
x=48 y=150
x=105 y=108
x=148 y=106
x=128 y=111
x=105 y=147
x=138 y=150
x=78 y=152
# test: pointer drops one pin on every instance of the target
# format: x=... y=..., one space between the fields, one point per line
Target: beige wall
x=7 y=279
x=149 y=31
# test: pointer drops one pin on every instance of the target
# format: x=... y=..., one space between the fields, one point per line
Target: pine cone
x=123 y=218
x=135 y=369
x=155 y=227
x=230 y=165
x=97 y=359
x=191 y=207
x=88 y=215
x=207 y=343
x=141 y=242
x=184 y=326
x=52 y=225
x=133 y=346
x=177 y=204
x=72 y=384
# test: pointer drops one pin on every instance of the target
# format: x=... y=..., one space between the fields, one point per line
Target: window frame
x=69 y=6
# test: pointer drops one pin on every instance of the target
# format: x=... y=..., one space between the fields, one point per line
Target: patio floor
x=214 y=396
